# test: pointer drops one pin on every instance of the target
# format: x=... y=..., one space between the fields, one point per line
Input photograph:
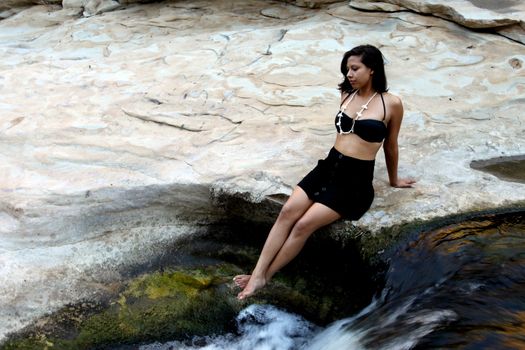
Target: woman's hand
x=403 y=183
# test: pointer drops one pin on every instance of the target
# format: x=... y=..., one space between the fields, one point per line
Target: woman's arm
x=390 y=145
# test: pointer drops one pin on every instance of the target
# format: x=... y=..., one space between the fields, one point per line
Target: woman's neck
x=365 y=91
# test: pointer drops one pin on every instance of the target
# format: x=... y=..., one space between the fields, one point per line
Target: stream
x=455 y=284
x=461 y=286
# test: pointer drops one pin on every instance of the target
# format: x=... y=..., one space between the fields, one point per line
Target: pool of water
x=510 y=168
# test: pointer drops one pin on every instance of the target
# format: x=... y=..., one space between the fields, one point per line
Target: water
x=458 y=287
x=510 y=168
x=262 y=327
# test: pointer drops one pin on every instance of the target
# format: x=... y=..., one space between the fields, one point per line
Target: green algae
x=163 y=305
x=166 y=284
x=176 y=304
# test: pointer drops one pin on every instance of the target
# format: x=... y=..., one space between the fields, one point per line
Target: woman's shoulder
x=394 y=105
x=392 y=100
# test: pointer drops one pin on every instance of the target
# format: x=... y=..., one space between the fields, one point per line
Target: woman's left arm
x=390 y=145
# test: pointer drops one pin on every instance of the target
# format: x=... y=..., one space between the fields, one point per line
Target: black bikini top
x=370 y=130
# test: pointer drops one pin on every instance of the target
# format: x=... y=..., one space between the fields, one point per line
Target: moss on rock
x=163 y=305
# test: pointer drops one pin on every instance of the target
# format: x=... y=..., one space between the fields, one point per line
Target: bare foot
x=241 y=280
x=254 y=284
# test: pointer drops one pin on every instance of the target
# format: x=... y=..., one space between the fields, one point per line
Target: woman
x=340 y=186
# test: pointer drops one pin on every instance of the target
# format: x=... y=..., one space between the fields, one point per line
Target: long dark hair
x=373 y=59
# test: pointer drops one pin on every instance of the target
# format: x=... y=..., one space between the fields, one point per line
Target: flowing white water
x=260 y=327
x=381 y=326
x=264 y=327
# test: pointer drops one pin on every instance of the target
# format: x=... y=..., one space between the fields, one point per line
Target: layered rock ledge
x=504 y=17
x=122 y=132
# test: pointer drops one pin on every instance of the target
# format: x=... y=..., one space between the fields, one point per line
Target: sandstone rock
x=281 y=12
x=470 y=13
x=94 y=7
x=311 y=3
x=375 y=6
x=506 y=17
x=515 y=32
x=9 y=8
x=9 y=4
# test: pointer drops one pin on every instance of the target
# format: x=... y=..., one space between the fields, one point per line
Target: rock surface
x=119 y=131
x=506 y=17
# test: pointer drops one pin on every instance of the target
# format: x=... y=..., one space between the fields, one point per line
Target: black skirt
x=342 y=183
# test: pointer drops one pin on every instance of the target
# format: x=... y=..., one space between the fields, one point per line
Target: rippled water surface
x=458 y=287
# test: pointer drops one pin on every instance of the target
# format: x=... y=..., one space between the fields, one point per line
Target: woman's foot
x=254 y=284
x=241 y=280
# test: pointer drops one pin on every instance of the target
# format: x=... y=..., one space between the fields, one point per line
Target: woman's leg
x=317 y=215
x=293 y=209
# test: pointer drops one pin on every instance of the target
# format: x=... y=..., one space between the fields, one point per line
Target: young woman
x=340 y=186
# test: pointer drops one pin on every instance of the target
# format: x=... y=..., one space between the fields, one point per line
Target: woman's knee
x=289 y=213
x=302 y=229
x=295 y=206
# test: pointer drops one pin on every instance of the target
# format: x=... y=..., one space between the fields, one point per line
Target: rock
x=10 y=4
x=375 y=6
x=516 y=63
x=281 y=12
x=506 y=17
x=311 y=3
x=162 y=305
x=173 y=302
x=470 y=13
x=515 y=32
x=126 y=129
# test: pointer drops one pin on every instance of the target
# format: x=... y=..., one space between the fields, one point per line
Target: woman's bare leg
x=293 y=209
x=318 y=215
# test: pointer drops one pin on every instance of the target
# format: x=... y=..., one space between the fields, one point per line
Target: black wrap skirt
x=342 y=183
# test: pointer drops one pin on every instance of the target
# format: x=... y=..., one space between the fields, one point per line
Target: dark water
x=506 y=168
x=458 y=287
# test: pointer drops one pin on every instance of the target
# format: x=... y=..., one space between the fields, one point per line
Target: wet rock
x=163 y=305
x=177 y=302
x=507 y=168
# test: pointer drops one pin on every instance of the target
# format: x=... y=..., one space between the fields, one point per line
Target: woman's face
x=359 y=74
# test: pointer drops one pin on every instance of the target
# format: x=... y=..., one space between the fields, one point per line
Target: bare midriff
x=353 y=146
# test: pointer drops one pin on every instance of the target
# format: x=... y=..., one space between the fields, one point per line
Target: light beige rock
x=515 y=32
x=9 y=4
x=92 y=7
x=118 y=133
x=368 y=5
x=506 y=17
x=470 y=13
x=311 y=3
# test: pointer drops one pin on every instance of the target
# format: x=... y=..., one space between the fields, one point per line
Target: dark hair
x=373 y=59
